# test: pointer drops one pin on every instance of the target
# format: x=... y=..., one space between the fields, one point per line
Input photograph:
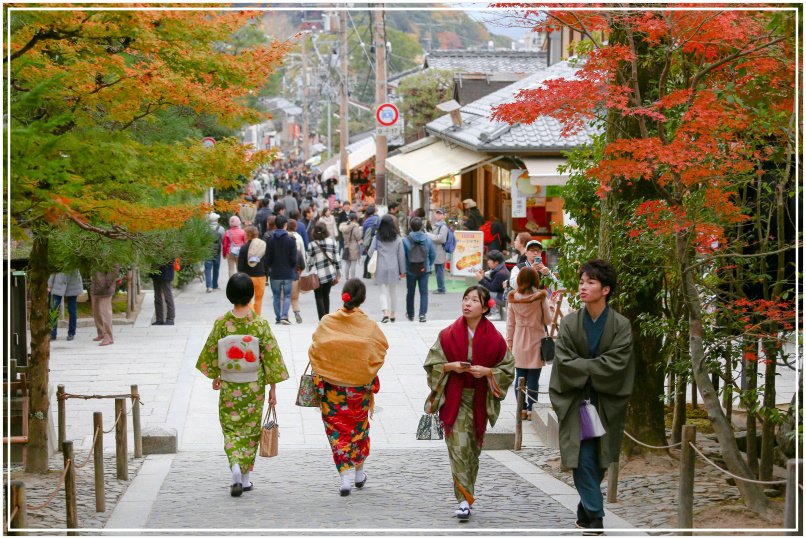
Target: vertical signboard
x=468 y=257
x=521 y=188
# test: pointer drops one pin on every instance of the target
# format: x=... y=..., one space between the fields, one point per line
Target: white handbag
x=372 y=266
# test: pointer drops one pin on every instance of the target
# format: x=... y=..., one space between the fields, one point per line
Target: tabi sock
x=236 y=474
x=245 y=479
x=347 y=477
x=359 y=474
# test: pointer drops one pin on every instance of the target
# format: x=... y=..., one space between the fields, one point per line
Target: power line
x=361 y=41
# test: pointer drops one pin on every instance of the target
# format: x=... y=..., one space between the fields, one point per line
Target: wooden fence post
x=685 y=509
x=121 y=445
x=612 y=482
x=138 y=438
x=70 y=487
x=17 y=498
x=791 y=519
x=518 y=414
x=61 y=402
x=98 y=462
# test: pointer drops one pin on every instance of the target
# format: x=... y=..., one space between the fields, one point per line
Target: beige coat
x=527 y=314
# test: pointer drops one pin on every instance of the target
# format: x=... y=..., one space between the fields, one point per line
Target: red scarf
x=489 y=349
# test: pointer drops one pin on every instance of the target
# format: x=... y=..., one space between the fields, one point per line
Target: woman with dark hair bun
x=469 y=371
x=347 y=351
x=241 y=356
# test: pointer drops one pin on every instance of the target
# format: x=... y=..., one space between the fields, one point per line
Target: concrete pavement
x=409 y=487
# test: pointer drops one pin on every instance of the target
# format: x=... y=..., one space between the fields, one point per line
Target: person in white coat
x=65 y=285
x=439 y=236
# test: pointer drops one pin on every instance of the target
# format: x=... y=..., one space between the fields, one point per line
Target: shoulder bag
x=307 y=394
x=269 y=434
x=309 y=279
x=547 y=347
x=430 y=426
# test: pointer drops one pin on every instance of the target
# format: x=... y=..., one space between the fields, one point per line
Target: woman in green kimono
x=241 y=356
x=469 y=371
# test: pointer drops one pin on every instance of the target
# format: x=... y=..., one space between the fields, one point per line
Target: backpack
x=450 y=243
x=487 y=228
x=369 y=235
x=418 y=256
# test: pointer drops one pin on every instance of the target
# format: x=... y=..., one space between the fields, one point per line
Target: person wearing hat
x=532 y=258
x=473 y=219
x=213 y=264
x=439 y=237
x=252 y=262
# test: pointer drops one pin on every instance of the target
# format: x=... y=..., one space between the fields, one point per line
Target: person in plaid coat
x=323 y=257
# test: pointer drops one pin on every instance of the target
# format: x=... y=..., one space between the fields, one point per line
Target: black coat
x=261 y=269
x=281 y=256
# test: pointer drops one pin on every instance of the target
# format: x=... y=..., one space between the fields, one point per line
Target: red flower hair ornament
x=490 y=303
x=346 y=297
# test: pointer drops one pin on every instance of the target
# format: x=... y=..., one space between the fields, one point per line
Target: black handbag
x=547 y=348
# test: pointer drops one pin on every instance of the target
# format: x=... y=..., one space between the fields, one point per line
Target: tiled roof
x=480 y=133
x=487 y=61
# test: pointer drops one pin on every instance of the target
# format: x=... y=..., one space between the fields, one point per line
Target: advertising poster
x=468 y=256
x=521 y=187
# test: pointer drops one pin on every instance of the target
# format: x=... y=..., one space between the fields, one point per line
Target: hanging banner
x=468 y=256
x=521 y=188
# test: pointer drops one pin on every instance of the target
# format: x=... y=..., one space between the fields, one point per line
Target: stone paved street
x=409 y=487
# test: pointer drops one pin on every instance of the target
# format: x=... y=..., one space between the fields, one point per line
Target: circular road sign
x=208 y=142
x=387 y=114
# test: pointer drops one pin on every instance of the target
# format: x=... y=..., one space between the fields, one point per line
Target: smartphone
x=465 y=364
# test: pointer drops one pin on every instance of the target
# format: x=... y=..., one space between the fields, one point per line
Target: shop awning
x=543 y=170
x=360 y=152
x=433 y=162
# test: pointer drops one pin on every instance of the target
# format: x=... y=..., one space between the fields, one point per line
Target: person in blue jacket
x=420 y=256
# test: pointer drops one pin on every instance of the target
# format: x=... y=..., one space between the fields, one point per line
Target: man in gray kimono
x=593 y=360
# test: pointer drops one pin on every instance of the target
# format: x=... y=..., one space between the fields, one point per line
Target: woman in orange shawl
x=347 y=352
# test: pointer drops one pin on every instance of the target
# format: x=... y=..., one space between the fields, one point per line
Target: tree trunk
x=727 y=395
x=750 y=401
x=679 y=418
x=753 y=495
x=37 y=455
x=768 y=427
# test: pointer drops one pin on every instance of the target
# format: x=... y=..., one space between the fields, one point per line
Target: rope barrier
x=14 y=512
x=89 y=454
x=55 y=492
x=132 y=396
x=650 y=446
x=712 y=463
x=526 y=391
x=114 y=424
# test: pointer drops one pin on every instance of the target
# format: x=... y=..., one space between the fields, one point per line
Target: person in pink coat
x=234 y=238
x=528 y=316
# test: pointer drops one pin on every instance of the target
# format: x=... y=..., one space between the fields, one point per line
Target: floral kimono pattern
x=240 y=405
x=345 y=413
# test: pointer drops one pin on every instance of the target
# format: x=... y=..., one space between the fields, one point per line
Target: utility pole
x=306 y=150
x=344 y=113
x=380 y=99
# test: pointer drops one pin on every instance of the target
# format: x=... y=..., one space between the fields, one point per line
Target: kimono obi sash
x=238 y=357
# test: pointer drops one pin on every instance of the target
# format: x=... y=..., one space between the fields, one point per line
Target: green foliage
x=420 y=94
x=72 y=248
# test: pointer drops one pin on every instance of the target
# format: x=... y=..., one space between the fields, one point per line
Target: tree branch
x=117 y=232
x=736 y=255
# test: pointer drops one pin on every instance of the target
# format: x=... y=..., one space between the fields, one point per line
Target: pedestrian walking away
x=323 y=257
x=281 y=257
x=350 y=232
x=593 y=365
x=440 y=237
x=241 y=356
x=102 y=288
x=527 y=322
x=213 y=264
x=252 y=261
x=469 y=371
x=234 y=238
x=368 y=230
x=163 y=281
x=347 y=351
x=68 y=286
x=302 y=258
x=390 y=265
x=420 y=254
